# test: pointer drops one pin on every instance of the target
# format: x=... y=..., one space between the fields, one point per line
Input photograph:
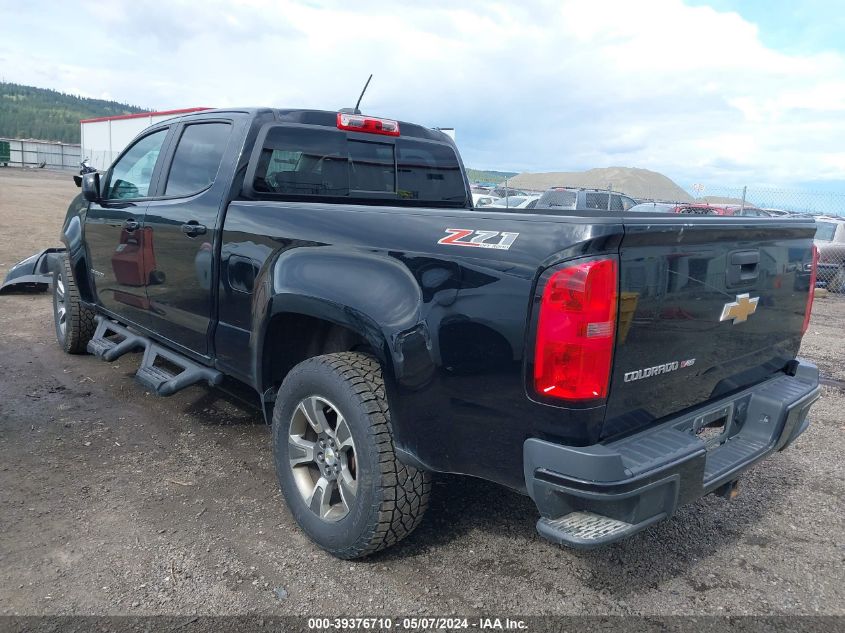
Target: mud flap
x=33 y=274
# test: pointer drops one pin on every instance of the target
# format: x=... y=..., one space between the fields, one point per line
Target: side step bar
x=111 y=341
x=122 y=341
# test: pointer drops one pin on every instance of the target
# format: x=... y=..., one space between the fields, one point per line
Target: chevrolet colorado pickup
x=611 y=366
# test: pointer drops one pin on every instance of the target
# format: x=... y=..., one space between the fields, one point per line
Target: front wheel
x=335 y=459
x=74 y=322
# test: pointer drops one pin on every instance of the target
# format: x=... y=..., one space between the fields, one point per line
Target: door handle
x=193 y=228
x=131 y=225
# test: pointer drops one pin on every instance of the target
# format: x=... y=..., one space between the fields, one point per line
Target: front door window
x=132 y=174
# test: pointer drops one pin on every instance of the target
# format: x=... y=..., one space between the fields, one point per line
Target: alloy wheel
x=61 y=307
x=321 y=453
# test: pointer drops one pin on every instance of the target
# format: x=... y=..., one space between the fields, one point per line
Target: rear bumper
x=594 y=495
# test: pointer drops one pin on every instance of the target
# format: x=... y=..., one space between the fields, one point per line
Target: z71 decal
x=479 y=239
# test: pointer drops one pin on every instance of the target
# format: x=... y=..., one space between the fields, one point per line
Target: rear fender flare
x=373 y=295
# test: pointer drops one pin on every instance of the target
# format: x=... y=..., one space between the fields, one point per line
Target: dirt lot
x=116 y=501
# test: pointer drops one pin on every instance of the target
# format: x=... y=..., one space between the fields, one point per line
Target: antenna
x=357 y=111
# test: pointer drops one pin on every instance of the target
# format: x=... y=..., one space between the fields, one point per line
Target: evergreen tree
x=49 y=115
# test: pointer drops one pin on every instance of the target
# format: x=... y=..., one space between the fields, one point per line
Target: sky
x=721 y=92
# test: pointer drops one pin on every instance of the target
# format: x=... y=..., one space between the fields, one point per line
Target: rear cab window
x=309 y=162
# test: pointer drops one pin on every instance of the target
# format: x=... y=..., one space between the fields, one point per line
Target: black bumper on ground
x=594 y=495
x=35 y=273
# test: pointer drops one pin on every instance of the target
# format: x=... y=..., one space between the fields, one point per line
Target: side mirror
x=91 y=187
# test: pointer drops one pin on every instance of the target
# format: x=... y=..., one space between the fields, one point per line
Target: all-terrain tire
x=74 y=321
x=391 y=497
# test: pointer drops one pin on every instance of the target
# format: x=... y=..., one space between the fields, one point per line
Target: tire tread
x=80 y=322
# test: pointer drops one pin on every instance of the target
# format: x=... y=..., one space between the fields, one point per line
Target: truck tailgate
x=707 y=306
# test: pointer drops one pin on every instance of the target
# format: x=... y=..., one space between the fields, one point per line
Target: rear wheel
x=335 y=459
x=75 y=323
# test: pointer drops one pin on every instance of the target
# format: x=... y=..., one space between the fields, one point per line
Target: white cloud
x=536 y=85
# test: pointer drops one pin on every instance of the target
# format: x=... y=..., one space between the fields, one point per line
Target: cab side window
x=132 y=174
x=197 y=158
x=620 y=203
x=596 y=201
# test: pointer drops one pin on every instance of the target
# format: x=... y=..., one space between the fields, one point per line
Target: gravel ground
x=118 y=502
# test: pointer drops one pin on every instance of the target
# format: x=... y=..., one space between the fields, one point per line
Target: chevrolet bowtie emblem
x=739 y=310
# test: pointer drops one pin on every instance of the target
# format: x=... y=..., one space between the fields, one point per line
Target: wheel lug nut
x=320 y=456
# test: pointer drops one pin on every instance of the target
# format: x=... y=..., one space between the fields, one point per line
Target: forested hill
x=27 y=112
x=480 y=175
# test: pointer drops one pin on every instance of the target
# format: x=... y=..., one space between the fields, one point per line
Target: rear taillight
x=813 y=268
x=368 y=124
x=576 y=329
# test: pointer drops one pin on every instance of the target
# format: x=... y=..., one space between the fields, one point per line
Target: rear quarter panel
x=452 y=319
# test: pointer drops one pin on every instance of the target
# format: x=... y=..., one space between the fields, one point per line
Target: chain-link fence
x=827 y=208
x=779 y=201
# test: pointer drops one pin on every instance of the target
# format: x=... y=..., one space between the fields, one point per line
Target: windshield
x=825 y=231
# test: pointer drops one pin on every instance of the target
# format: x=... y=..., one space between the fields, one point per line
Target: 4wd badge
x=479 y=239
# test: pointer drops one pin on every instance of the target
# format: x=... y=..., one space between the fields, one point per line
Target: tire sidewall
x=316 y=378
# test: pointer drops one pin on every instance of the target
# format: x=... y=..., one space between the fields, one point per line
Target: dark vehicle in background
x=610 y=365
x=830 y=242
x=577 y=199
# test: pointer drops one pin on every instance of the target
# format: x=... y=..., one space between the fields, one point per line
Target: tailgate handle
x=743 y=267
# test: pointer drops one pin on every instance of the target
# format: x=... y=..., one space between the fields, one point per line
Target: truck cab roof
x=326 y=118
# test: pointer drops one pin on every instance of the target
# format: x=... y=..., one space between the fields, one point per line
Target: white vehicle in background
x=517 y=202
x=509 y=201
x=482 y=199
x=830 y=242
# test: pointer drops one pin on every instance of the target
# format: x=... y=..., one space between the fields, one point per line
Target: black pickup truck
x=611 y=366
